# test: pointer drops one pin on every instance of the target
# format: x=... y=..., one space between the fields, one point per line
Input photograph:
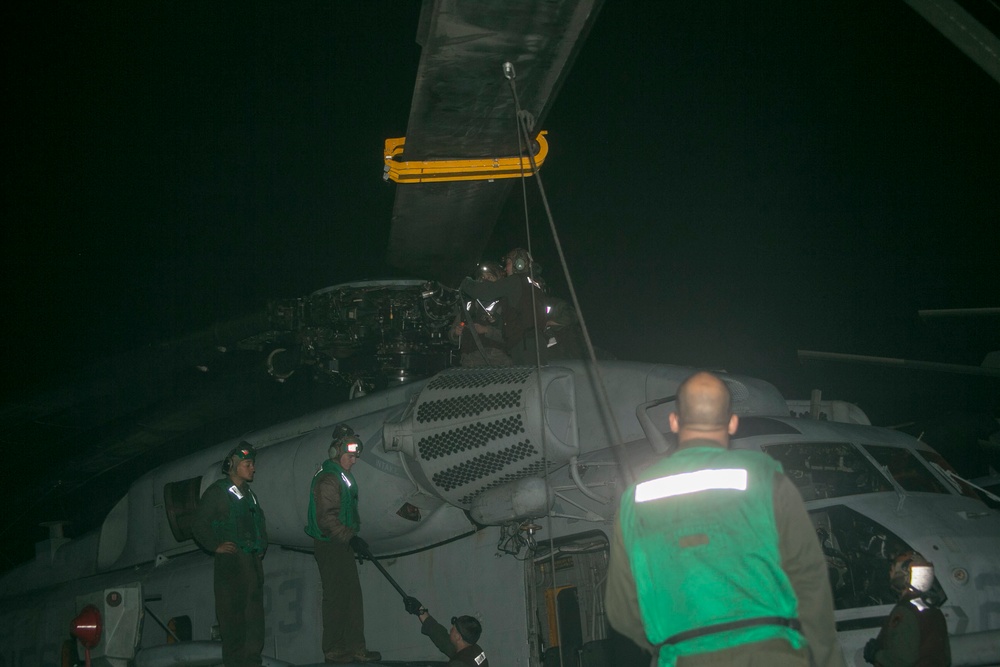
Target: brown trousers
x=343 y=606
x=239 y=606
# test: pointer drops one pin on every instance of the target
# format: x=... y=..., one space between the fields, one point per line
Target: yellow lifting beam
x=472 y=169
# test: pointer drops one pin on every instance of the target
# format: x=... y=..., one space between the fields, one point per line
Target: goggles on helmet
x=245 y=452
x=346 y=444
x=921 y=577
x=911 y=570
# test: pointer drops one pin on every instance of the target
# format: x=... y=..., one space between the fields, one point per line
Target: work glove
x=870 y=648
x=359 y=546
x=412 y=605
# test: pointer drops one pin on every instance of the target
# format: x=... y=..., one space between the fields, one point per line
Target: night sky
x=731 y=181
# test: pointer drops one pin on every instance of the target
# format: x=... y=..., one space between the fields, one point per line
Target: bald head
x=704 y=410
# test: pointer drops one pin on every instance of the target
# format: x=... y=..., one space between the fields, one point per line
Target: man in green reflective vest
x=333 y=523
x=714 y=560
x=229 y=523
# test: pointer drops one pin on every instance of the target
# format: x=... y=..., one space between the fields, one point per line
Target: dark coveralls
x=343 y=604
x=239 y=577
x=914 y=635
x=493 y=352
x=515 y=294
x=439 y=635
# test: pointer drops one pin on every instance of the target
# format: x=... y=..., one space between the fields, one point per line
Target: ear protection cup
x=520 y=260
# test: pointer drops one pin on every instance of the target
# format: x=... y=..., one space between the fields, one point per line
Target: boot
x=337 y=657
x=364 y=655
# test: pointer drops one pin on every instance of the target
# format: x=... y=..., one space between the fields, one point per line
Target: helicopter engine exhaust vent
x=473 y=429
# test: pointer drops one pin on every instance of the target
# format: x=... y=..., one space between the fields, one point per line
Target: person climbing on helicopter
x=523 y=305
x=486 y=318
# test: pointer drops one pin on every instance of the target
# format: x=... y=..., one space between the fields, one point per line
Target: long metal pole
x=386 y=575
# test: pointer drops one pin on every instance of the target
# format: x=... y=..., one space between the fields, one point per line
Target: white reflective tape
x=480 y=659
x=344 y=477
x=236 y=492
x=691 y=482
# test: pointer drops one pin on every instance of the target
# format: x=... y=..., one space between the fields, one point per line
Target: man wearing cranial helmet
x=916 y=632
x=460 y=643
x=521 y=298
x=478 y=329
x=334 y=523
x=229 y=523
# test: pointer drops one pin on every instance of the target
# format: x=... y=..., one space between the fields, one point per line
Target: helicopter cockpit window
x=934 y=457
x=828 y=469
x=906 y=469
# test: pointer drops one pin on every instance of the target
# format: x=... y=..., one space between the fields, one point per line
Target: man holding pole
x=333 y=523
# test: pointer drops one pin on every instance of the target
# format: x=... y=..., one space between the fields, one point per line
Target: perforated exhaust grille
x=470 y=430
x=470 y=437
x=535 y=469
x=484 y=465
x=477 y=378
x=465 y=406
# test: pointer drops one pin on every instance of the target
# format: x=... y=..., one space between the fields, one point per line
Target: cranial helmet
x=345 y=441
x=469 y=627
x=240 y=452
x=911 y=570
x=489 y=271
x=520 y=260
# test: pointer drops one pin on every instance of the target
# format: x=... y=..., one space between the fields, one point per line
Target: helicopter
x=472 y=464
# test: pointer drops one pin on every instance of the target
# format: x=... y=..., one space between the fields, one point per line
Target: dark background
x=731 y=182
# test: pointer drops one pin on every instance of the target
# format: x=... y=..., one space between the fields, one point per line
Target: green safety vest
x=348 y=500
x=700 y=533
x=245 y=524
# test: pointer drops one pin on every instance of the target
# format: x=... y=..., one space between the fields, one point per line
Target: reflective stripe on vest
x=481 y=658
x=348 y=500
x=235 y=490
x=249 y=538
x=691 y=482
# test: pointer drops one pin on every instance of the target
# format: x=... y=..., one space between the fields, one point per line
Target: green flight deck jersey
x=226 y=514
x=694 y=566
x=348 y=514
